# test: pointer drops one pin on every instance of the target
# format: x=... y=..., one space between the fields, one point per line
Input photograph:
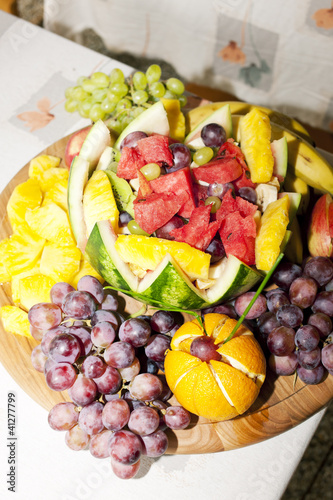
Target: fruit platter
x=167 y=281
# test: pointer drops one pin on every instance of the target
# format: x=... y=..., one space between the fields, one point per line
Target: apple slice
x=321 y=228
x=74 y=145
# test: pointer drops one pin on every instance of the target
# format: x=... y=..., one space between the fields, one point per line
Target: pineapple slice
x=4 y=272
x=85 y=269
x=57 y=194
x=23 y=250
x=51 y=177
x=15 y=320
x=16 y=282
x=34 y=289
x=26 y=195
x=42 y=163
x=50 y=222
x=60 y=262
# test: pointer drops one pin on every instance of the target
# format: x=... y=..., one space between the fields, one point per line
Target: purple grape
x=181 y=157
x=77 y=439
x=303 y=291
x=116 y=414
x=162 y=321
x=131 y=371
x=36 y=333
x=63 y=416
x=90 y=418
x=103 y=334
x=290 y=316
x=311 y=377
x=327 y=356
x=249 y=194
x=126 y=447
x=259 y=307
x=93 y=367
x=176 y=417
x=110 y=302
x=135 y=331
x=281 y=341
x=283 y=365
x=309 y=359
x=131 y=140
x=143 y=421
x=105 y=315
x=151 y=367
x=227 y=309
x=166 y=392
x=79 y=305
x=323 y=303
x=91 y=285
x=156 y=444
x=204 y=348
x=49 y=336
x=99 y=445
x=124 y=218
x=45 y=316
x=83 y=391
x=65 y=348
x=124 y=471
x=164 y=231
x=110 y=382
x=38 y=358
x=215 y=250
x=84 y=337
x=320 y=269
x=156 y=347
x=131 y=401
x=146 y=387
x=119 y=355
x=307 y=338
x=59 y=291
x=60 y=376
x=322 y=322
x=285 y=274
x=276 y=300
x=267 y=322
x=48 y=363
x=213 y=135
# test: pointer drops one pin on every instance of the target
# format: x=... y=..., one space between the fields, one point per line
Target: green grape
x=120 y=89
x=139 y=80
x=182 y=100
x=88 y=85
x=101 y=80
x=115 y=125
x=215 y=202
x=80 y=80
x=175 y=86
x=79 y=94
x=124 y=104
x=99 y=95
x=153 y=73
x=203 y=155
x=69 y=92
x=134 y=228
x=84 y=109
x=170 y=95
x=125 y=120
x=71 y=105
x=151 y=171
x=117 y=76
x=157 y=89
x=140 y=97
x=136 y=111
x=113 y=97
x=96 y=113
x=108 y=106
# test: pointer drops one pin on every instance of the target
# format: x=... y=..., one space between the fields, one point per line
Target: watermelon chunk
x=130 y=162
x=231 y=203
x=199 y=232
x=238 y=237
x=156 y=209
x=218 y=170
x=230 y=150
x=155 y=149
x=177 y=182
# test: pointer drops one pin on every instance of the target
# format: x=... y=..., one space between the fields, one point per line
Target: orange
x=217 y=390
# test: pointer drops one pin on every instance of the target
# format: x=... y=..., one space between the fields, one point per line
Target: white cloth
x=276 y=53
x=39 y=66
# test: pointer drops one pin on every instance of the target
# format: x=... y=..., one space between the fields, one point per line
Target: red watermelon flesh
x=130 y=162
x=238 y=237
x=219 y=170
x=155 y=149
x=199 y=232
x=230 y=150
x=156 y=209
x=177 y=182
x=231 y=203
x=244 y=181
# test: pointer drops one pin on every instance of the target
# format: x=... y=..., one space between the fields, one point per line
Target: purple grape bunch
x=112 y=370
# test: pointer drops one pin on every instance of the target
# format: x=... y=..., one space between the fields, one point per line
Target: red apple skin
x=74 y=145
x=321 y=228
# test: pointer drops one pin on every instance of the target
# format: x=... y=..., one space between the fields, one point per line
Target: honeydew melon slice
x=279 y=149
x=153 y=120
x=104 y=258
x=95 y=143
x=221 y=116
x=295 y=201
x=78 y=178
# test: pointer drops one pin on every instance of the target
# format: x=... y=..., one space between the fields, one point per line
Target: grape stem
x=260 y=289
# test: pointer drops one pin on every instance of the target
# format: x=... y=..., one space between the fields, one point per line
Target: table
x=36 y=67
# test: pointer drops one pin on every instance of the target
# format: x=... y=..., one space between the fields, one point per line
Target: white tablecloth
x=37 y=66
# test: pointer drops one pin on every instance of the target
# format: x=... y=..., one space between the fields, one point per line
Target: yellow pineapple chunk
x=4 y=272
x=26 y=195
x=57 y=194
x=50 y=222
x=51 y=177
x=42 y=163
x=60 y=262
x=35 y=289
x=85 y=269
x=15 y=320
x=255 y=138
x=16 y=282
x=23 y=250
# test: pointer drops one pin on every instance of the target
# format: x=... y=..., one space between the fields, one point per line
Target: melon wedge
x=221 y=116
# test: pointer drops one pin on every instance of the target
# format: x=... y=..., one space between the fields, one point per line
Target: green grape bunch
x=118 y=99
